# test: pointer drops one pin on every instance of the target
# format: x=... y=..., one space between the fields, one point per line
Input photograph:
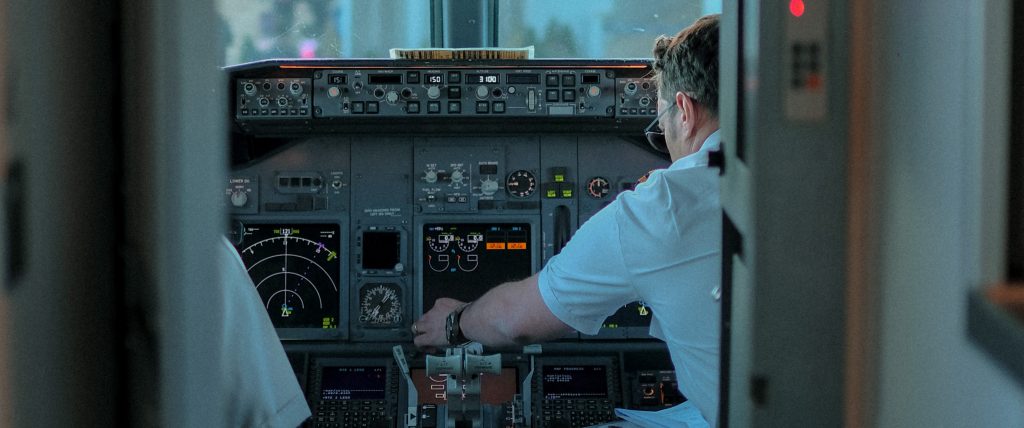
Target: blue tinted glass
x=595 y=28
x=261 y=29
x=255 y=30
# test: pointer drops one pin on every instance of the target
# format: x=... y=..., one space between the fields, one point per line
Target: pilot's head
x=688 y=63
x=686 y=71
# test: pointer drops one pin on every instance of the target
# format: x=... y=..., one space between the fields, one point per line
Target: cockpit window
x=261 y=29
x=595 y=28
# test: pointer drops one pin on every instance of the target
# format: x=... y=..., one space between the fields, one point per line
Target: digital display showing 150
x=434 y=79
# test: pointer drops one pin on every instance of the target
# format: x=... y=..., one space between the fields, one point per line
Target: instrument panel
x=363 y=190
x=500 y=91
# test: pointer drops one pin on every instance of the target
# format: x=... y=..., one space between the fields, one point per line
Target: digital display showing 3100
x=295 y=268
x=464 y=260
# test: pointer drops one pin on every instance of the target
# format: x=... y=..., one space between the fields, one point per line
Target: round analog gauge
x=521 y=184
x=470 y=242
x=380 y=304
x=440 y=242
x=597 y=187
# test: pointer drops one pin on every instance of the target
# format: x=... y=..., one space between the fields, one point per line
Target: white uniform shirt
x=661 y=243
x=260 y=388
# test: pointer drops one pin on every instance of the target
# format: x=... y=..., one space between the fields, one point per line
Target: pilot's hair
x=688 y=63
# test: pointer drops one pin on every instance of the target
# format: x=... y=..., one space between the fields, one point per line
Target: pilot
x=660 y=243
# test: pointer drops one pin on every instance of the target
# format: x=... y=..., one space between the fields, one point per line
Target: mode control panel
x=350 y=89
x=464 y=92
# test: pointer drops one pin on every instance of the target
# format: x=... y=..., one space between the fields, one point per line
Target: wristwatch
x=452 y=329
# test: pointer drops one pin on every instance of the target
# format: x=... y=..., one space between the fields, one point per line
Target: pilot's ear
x=687 y=110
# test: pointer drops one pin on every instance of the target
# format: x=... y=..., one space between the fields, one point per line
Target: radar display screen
x=562 y=382
x=497 y=390
x=296 y=269
x=636 y=314
x=353 y=383
x=464 y=260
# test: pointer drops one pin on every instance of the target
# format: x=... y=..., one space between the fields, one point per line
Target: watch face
x=452 y=327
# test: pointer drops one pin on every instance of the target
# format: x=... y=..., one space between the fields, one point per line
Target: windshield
x=262 y=29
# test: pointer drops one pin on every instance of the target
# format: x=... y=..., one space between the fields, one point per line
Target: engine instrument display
x=296 y=269
x=464 y=260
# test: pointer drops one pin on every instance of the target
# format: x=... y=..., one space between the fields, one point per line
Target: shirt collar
x=700 y=157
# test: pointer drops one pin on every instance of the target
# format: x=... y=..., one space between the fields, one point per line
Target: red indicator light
x=796 y=7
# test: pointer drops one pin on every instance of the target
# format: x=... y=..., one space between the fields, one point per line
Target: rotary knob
x=457 y=176
x=433 y=92
x=239 y=198
x=481 y=92
x=488 y=187
x=430 y=176
x=391 y=97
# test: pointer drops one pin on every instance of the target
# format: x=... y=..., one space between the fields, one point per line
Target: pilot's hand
x=429 y=330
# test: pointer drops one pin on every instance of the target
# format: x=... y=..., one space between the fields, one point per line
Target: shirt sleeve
x=261 y=387
x=588 y=281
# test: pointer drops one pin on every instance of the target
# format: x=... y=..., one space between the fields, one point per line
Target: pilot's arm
x=510 y=314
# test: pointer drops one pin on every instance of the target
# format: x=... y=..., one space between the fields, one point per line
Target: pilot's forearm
x=512 y=314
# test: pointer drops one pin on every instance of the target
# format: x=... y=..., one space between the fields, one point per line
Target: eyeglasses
x=655 y=135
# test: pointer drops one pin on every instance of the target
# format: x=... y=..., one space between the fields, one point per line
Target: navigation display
x=635 y=314
x=464 y=260
x=296 y=269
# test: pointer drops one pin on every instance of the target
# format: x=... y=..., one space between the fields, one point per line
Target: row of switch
x=634 y=110
x=551 y=95
x=486 y=204
x=311 y=182
x=561 y=190
x=433 y=107
x=274 y=112
x=566 y=79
